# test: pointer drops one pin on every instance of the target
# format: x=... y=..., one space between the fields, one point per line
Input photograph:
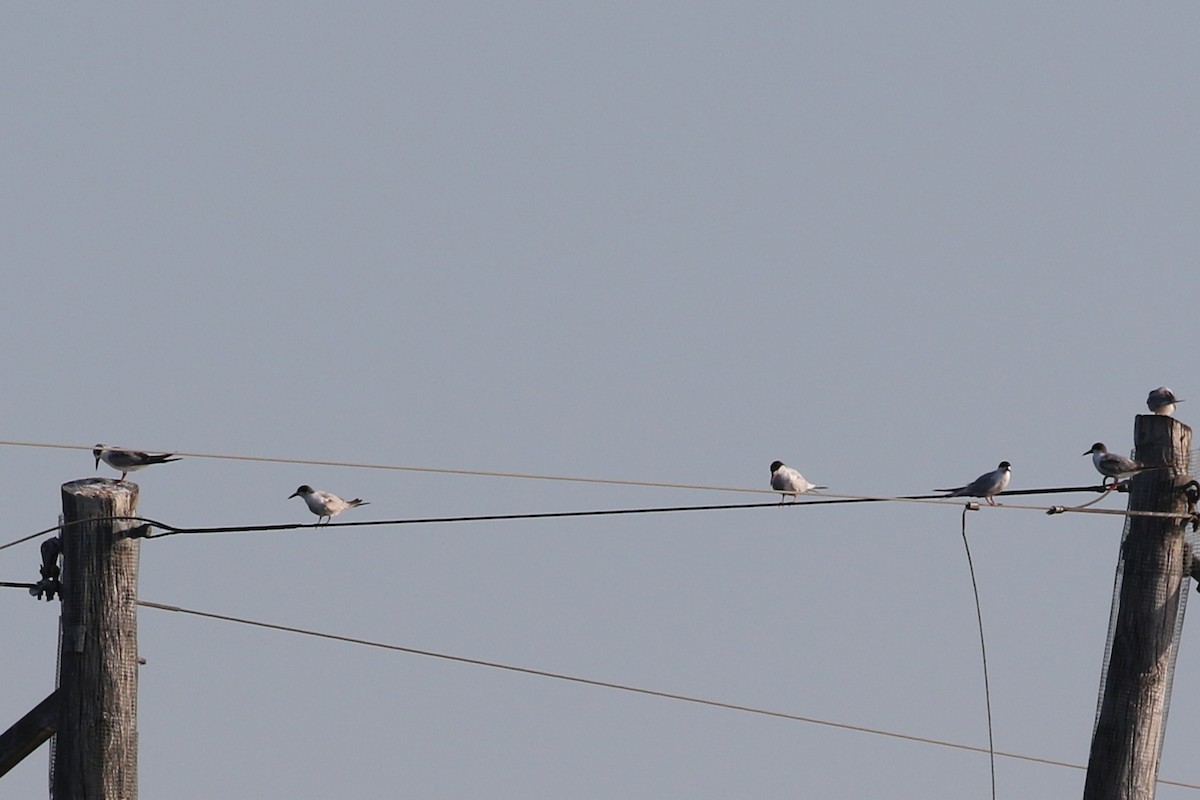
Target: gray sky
x=665 y=242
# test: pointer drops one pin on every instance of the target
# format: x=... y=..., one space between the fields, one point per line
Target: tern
x=128 y=460
x=1114 y=466
x=987 y=485
x=325 y=505
x=1162 y=401
x=788 y=481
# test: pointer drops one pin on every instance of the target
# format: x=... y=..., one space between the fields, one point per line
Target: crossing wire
x=623 y=687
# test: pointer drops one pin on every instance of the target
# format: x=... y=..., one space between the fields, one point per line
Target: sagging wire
x=987 y=692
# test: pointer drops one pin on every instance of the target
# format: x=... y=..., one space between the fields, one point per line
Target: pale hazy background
x=668 y=242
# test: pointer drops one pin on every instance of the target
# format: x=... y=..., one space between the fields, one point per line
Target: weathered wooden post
x=95 y=752
x=1127 y=742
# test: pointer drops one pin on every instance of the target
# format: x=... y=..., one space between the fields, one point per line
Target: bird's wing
x=986 y=484
x=1118 y=463
x=123 y=458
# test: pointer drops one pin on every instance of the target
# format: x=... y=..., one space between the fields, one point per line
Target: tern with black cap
x=128 y=460
x=987 y=485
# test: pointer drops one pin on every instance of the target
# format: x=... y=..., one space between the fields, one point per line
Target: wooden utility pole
x=1127 y=743
x=95 y=753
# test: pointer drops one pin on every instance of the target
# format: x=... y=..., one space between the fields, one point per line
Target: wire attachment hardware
x=50 y=585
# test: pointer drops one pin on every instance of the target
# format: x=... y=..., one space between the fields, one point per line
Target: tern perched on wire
x=788 y=481
x=325 y=505
x=1112 y=465
x=986 y=486
x=1162 y=401
x=128 y=460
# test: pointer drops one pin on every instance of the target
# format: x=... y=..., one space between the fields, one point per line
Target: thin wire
x=987 y=691
x=403 y=468
x=544 y=477
x=624 y=688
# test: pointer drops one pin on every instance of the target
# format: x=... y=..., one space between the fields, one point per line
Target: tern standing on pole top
x=128 y=460
x=1162 y=401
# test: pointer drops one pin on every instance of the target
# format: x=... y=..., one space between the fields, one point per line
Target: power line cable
x=16 y=542
x=826 y=499
x=624 y=687
x=169 y=530
x=931 y=499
